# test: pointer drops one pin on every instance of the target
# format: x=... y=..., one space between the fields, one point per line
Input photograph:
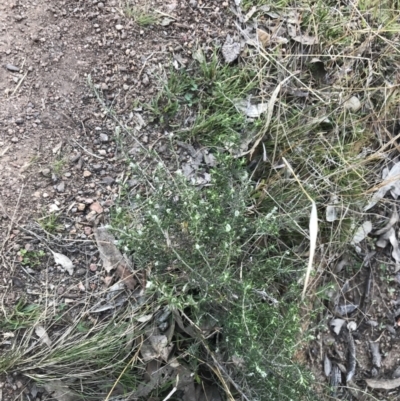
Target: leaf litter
x=391 y=183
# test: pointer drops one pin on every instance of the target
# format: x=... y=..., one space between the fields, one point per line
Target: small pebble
x=12 y=68
x=87 y=173
x=80 y=272
x=61 y=187
x=103 y=137
x=107 y=180
x=75 y=158
x=96 y=207
x=93 y=267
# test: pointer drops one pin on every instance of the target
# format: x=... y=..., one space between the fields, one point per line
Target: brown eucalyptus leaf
x=263 y=37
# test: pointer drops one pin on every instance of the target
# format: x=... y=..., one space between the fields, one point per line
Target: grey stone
x=46 y=172
x=61 y=187
x=107 y=180
x=80 y=272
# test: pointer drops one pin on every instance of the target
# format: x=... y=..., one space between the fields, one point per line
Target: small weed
x=141 y=15
x=205 y=95
x=24 y=315
x=58 y=166
x=31 y=258
x=50 y=223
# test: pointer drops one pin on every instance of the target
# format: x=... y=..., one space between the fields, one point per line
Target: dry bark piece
x=396 y=250
x=327 y=366
x=351 y=359
x=336 y=376
x=376 y=355
x=383 y=384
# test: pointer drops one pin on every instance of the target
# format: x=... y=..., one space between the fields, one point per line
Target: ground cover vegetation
x=307 y=110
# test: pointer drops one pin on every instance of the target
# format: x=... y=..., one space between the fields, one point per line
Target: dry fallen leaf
x=251 y=110
x=60 y=391
x=362 y=232
x=64 y=261
x=57 y=148
x=396 y=250
x=332 y=209
x=327 y=366
x=112 y=258
x=126 y=276
x=230 y=50
x=42 y=334
x=263 y=37
x=340 y=265
x=337 y=325
x=352 y=104
x=166 y=21
x=144 y=318
x=250 y=13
